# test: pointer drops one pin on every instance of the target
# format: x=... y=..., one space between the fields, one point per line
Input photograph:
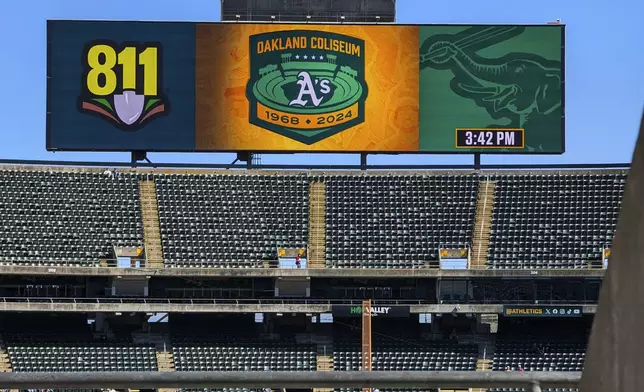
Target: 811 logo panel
x=122 y=83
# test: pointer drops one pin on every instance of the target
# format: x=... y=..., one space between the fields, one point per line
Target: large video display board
x=159 y=86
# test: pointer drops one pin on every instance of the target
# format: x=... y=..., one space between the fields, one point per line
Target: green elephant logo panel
x=492 y=77
x=306 y=85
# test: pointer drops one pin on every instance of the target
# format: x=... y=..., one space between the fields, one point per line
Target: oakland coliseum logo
x=306 y=85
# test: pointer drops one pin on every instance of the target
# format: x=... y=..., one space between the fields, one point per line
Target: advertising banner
x=374 y=311
x=162 y=86
x=542 y=311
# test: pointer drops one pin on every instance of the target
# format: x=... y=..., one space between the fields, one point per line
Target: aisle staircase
x=324 y=358
x=165 y=362
x=163 y=348
x=5 y=362
x=316 y=257
x=482 y=365
x=484 y=362
x=151 y=229
x=325 y=363
x=482 y=225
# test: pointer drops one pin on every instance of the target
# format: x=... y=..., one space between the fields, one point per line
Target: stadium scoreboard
x=270 y=87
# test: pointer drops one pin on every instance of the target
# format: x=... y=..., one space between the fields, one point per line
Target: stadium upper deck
x=239 y=219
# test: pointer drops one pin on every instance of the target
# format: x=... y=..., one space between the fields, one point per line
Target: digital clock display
x=489 y=138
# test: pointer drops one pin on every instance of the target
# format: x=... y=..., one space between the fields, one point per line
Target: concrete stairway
x=5 y=362
x=482 y=365
x=482 y=225
x=163 y=346
x=165 y=362
x=324 y=358
x=317 y=225
x=484 y=362
x=324 y=364
x=151 y=229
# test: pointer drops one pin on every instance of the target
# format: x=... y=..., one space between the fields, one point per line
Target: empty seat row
x=423 y=356
x=86 y=356
x=210 y=356
x=231 y=220
x=403 y=219
x=553 y=220
x=66 y=218
x=561 y=220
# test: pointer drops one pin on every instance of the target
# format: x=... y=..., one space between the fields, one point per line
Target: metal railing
x=357 y=168
x=269 y=264
x=204 y=301
x=275 y=301
x=408 y=379
x=308 y=16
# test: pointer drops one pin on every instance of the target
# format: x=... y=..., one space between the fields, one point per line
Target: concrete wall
x=301 y=272
x=615 y=357
x=205 y=307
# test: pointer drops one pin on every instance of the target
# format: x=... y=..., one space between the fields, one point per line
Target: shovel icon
x=129 y=106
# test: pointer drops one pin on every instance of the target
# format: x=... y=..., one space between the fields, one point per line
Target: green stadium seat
x=397 y=221
x=554 y=221
x=231 y=221
x=66 y=218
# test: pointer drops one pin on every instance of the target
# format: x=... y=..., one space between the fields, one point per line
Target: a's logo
x=122 y=83
x=306 y=85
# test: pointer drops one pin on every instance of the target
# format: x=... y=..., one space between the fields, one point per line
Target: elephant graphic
x=524 y=88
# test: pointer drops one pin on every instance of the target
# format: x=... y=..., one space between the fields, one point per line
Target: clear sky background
x=604 y=72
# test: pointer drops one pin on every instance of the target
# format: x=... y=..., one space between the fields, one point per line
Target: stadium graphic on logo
x=306 y=85
x=122 y=83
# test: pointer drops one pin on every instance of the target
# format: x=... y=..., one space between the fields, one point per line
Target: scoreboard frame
x=95 y=136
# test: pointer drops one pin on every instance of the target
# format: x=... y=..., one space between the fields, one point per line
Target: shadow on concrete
x=615 y=356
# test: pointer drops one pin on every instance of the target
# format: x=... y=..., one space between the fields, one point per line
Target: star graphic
x=312 y=57
x=305 y=57
x=297 y=56
x=321 y=57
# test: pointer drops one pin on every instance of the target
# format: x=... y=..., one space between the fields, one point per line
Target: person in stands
x=298 y=263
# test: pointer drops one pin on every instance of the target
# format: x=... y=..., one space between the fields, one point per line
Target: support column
x=366 y=338
x=614 y=359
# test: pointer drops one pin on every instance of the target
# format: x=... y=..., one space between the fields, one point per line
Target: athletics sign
x=262 y=87
x=542 y=311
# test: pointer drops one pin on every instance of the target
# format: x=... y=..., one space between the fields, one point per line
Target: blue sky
x=604 y=72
